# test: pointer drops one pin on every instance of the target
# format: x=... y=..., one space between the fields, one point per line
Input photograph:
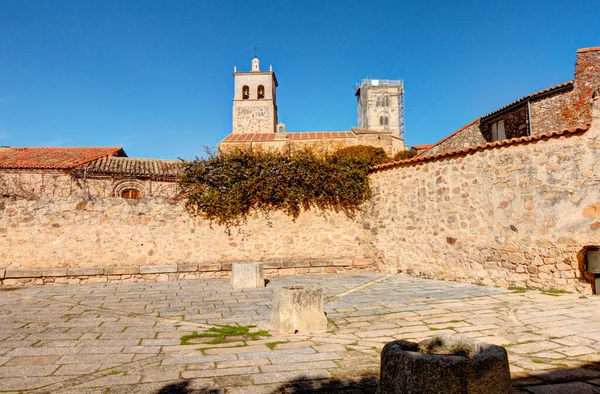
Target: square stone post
x=247 y=276
x=298 y=309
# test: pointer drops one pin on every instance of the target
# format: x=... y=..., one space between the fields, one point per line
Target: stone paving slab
x=118 y=337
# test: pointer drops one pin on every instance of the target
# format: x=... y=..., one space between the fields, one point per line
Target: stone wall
x=517 y=214
x=547 y=114
x=130 y=237
x=33 y=184
x=467 y=135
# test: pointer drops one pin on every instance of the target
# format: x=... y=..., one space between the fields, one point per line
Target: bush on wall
x=361 y=156
x=226 y=188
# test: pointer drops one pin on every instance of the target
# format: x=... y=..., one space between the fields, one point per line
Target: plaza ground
x=126 y=337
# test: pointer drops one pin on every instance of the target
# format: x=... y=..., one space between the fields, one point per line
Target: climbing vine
x=228 y=187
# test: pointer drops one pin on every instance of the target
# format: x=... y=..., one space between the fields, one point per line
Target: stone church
x=256 y=124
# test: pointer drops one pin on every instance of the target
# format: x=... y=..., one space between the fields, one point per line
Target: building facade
x=567 y=104
x=256 y=125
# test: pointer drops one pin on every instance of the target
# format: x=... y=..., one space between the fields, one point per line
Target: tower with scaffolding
x=380 y=104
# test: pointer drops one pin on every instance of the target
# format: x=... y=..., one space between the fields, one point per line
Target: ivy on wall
x=226 y=188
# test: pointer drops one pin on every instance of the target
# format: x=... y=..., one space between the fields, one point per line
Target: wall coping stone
x=187 y=267
x=54 y=272
x=121 y=270
x=23 y=273
x=157 y=269
x=87 y=271
x=212 y=267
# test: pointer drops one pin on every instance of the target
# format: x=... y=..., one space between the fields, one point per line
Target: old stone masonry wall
x=68 y=239
x=512 y=215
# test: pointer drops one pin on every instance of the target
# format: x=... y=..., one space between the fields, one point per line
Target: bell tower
x=254 y=100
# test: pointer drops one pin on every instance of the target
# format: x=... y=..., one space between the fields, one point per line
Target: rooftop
x=145 y=168
x=54 y=158
x=489 y=145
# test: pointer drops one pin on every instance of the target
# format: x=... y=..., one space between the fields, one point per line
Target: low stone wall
x=64 y=237
x=511 y=215
x=152 y=273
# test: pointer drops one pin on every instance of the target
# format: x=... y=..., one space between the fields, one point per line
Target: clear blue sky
x=155 y=76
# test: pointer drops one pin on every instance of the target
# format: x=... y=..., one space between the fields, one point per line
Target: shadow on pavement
x=581 y=380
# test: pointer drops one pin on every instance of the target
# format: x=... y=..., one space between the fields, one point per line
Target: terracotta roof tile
x=489 y=145
x=591 y=49
x=146 y=168
x=422 y=146
x=53 y=158
x=311 y=135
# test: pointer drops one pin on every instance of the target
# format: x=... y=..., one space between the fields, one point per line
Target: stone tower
x=381 y=106
x=254 y=100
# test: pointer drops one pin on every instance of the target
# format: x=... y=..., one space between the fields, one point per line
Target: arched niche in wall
x=133 y=189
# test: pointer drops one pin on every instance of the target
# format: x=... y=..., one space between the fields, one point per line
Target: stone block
x=444 y=364
x=23 y=273
x=319 y=263
x=54 y=272
x=295 y=264
x=85 y=271
x=298 y=309
x=363 y=262
x=187 y=267
x=121 y=270
x=209 y=267
x=272 y=265
x=247 y=276
x=339 y=263
x=157 y=269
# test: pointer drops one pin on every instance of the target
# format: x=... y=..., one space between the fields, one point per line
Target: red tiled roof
x=133 y=166
x=422 y=146
x=591 y=49
x=260 y=137
x=250 y=137
x=53 y=158
x=489 y=145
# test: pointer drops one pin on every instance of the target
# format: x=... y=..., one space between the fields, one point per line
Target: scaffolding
x=383 y=89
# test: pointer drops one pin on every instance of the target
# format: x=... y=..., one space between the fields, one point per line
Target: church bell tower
x=254 y=100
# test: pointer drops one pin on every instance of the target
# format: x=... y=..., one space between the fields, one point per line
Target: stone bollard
x=247 y=276
x=450 y=364
x=298 y=309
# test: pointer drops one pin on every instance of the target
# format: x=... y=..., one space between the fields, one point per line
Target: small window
x=131 y=194
x=385 y=120
x=379 y=102
x=260 y=92
x=245 y=92
x=387 y=101
x=381 y=121
x=497 y=130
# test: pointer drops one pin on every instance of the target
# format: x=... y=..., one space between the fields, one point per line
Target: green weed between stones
x=555 y=292
x=272 y=345
x=517 y=289
x=220 y=334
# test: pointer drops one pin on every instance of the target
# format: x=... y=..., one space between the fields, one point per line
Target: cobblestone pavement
x=125 y=338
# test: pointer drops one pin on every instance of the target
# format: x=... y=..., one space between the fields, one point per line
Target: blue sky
x=155 y=76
